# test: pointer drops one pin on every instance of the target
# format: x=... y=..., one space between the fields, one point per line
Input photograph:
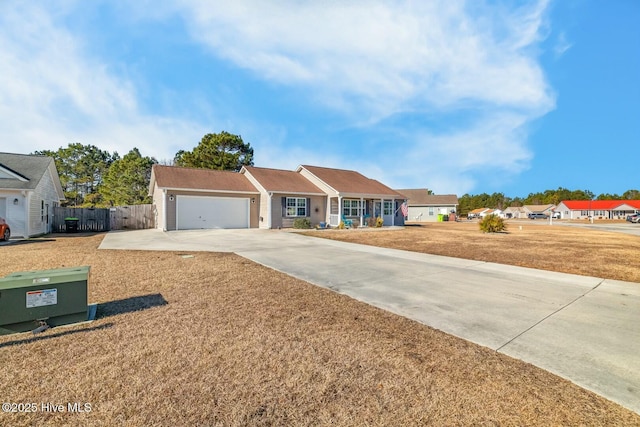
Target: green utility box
x=57 y=297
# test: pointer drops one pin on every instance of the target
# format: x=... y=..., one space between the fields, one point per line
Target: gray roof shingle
x=30 y=167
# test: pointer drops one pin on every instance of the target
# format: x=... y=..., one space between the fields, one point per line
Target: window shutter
x=284 y=206
x=308 y=206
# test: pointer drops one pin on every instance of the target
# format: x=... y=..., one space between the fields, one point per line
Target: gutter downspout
x=27 y=210
x=269 y=213
x=164 y=209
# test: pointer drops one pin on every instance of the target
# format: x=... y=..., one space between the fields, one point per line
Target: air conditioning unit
x=36 y=300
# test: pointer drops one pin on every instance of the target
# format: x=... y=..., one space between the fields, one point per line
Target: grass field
x=213 y=339
x=565 y=249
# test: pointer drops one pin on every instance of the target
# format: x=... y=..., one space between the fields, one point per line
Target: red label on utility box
x=42 y=297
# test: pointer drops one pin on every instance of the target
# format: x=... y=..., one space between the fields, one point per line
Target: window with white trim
x=296 y=206
x=352 y=207
x=388 y=208
x=430 y=211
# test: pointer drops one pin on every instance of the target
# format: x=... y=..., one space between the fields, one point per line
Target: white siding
x=15 y=215
x=40 y=221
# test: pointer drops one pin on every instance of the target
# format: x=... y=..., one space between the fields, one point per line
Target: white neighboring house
x=425 y=207
x=496 y=212
x=29 y=190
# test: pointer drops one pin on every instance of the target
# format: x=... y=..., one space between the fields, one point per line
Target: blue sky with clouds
x=475 y=96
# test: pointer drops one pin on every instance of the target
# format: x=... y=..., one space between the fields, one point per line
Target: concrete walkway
x=584 y=329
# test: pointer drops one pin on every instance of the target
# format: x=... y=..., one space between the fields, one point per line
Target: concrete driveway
x=584 y=329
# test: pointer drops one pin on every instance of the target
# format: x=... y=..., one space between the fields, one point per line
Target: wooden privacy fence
x=133 y=217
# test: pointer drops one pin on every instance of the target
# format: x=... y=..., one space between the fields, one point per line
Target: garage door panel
x=196 y=212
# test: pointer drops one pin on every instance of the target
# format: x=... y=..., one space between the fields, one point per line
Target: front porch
x=362 y=212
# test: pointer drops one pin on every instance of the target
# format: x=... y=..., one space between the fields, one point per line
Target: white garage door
x=195 y=212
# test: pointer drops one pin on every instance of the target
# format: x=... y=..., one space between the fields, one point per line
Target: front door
x=387 y=212
x=3 y=207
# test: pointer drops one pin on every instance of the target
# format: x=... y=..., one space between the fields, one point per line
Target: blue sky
x=476 y=96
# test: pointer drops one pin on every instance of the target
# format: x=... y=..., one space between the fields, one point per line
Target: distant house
x=547 y=209
x=488 y=212
x=598 y=209
x=425 y=207
x=516 y=212
x=29 y=190
x=479 y=212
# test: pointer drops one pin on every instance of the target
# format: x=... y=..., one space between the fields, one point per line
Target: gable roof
x=351 y=183
x=179 y=178
x=421 y=197
x=22 y=171
x=515 y=209
x=480 y=210
x=539 y=208
x=603 y=205
x=282 y=181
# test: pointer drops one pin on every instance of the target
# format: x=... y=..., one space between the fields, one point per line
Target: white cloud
x=53 y=93
x=370 y=61
x=562 y=45
x=384 y=55
x=374 y=60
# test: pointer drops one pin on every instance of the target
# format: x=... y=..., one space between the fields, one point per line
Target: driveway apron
x=584 y=329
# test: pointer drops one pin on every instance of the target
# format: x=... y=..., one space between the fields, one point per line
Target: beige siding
x=316 y=211
x=263 y=218
x=171 y=204
x=264 y=210
x=158 y=207
x=318 y=183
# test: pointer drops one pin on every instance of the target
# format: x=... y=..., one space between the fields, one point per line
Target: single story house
x=598 y=209
x=425 y=207
x=515 y=212
x=352 y=195
x=29 y=190
x=524 y=211
x=285 y=196
x=478 y=212
x=189 y=198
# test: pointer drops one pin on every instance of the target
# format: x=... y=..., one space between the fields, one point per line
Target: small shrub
x=341 y=225
x=379 y=222
x=492 y=224
x=301 y=223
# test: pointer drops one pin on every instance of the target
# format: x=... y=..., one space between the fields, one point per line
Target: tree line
x=92 y=177
x=469 y=202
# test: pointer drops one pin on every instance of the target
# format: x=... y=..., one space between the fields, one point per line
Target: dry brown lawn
x=565 y=249
x=214 y=339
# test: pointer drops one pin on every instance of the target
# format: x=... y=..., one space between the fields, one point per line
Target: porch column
x=393 y=209
x=339 y=209
x=361 y=211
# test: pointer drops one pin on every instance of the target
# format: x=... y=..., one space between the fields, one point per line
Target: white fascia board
x=297 y=193
x=370 y=196
x=200 y=190
x=13 y=174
